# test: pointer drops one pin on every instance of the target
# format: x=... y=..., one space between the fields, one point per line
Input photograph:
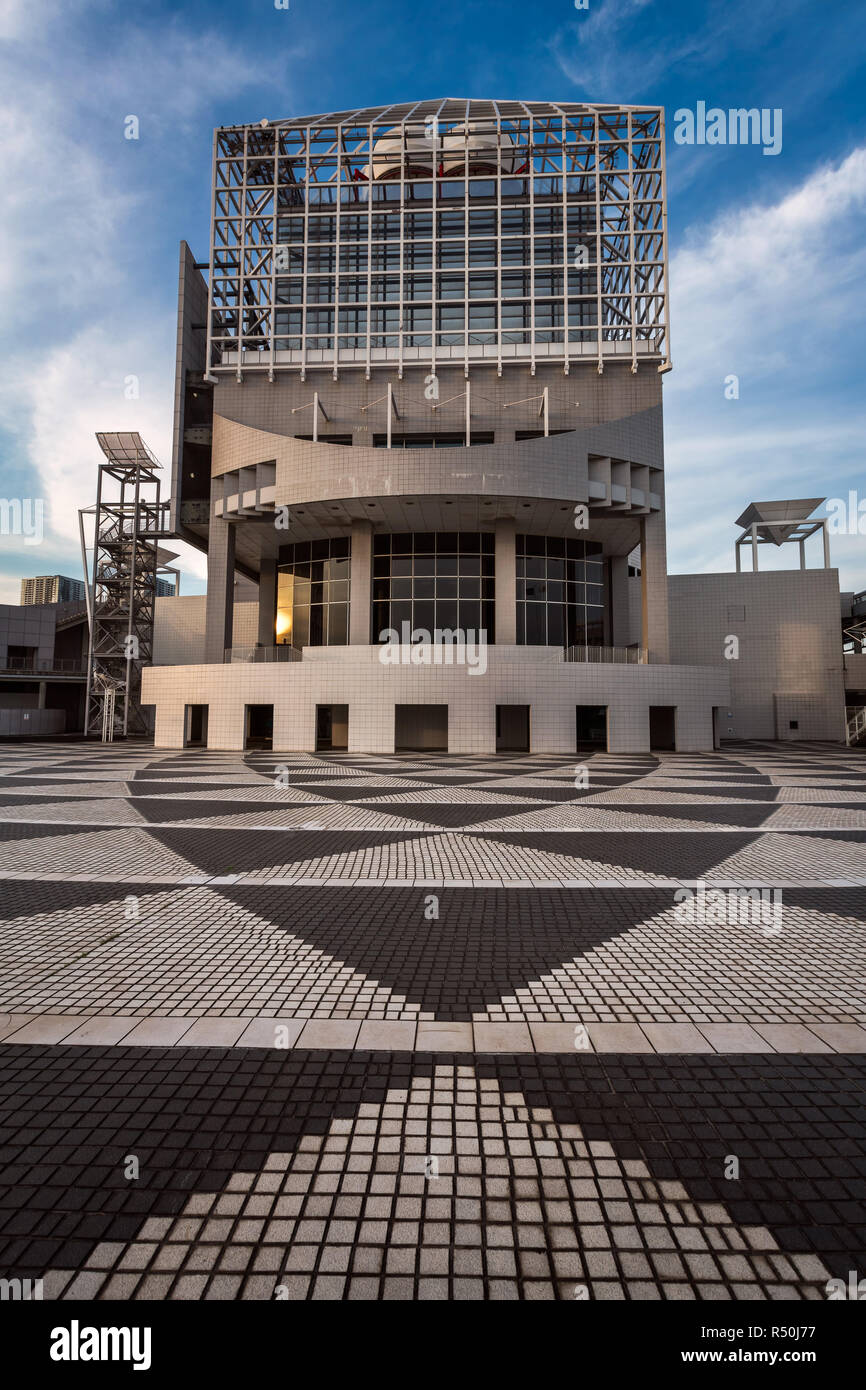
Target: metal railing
x=284 y=652
x=27 y=665
x=856 y=724
x=621 y=656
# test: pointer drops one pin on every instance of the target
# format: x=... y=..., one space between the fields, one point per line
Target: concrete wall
x=555 y=468
x=191 y=355
x=31 y=723
x=534 y=676
x=789 y=666
x=179 y=628
x=610 y=399
x=19 y=699
x=31 y=625
x=855 y=671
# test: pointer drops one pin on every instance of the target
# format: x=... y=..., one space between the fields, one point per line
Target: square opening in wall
x=259 y=726
x=591 y=728
x=663 y=728
x=195 y=726
x=332 y=728
x=421 y=728
x=512 y=728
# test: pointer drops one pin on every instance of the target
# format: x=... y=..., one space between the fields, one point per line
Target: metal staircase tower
x=121 y=587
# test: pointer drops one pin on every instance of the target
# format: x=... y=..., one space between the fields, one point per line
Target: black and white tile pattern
x=295 y=985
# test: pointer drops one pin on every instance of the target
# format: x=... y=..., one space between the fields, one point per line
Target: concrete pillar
x=361 y=587
x=220 y=589
x=654 y=587
x=267 y=602
x=43 y=688
x=506 y=582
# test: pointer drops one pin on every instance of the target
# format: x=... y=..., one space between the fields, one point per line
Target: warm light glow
x=284 y=624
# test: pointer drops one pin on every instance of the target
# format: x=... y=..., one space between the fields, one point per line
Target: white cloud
x=767 y=292
x=605 y=53
x=174 y=72
x=78 y=389
x=745 y=290
x=80 y=317
x=81 y=388
x=21 y=20
x=59 y=218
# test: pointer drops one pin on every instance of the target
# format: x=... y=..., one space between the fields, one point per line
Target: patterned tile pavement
x=431 y=1027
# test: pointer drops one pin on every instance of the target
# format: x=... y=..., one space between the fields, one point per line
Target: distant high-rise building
x=51 y=588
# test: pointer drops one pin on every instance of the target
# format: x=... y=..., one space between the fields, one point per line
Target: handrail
x=31 y=665
x=284 y=652
x=856 y=727
x=626 y=656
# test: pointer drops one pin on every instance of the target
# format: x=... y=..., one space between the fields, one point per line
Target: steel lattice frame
x=123 y=583
x=440 y=232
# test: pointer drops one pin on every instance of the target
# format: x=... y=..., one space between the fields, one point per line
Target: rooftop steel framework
x=452 y=231
x=122 y=585
x=777 y=522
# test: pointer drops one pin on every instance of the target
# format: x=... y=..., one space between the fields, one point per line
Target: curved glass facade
x=560 y=592
x=443 y=580
x=433 y=580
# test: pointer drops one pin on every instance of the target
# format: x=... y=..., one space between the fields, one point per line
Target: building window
x=313 y=593
x=431 y=441
x=433 y=580
x=560 y=592
x=538 y=434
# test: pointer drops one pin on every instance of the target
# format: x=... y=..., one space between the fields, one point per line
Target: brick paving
x=430 y=1027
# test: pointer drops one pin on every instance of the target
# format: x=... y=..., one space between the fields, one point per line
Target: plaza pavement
x=430 y=1026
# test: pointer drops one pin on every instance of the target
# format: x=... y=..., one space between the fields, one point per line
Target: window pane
x=301 y=578
x=446 y=614
x=338 y=624
x=430 y=598
x=469 y=615
x=301 y=628
x=536 y=630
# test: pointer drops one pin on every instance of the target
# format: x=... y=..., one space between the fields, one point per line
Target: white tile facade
x=534 y=676
x=788 y=670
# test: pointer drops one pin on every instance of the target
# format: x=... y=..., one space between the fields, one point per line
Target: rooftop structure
x=775 y=523
x=440 y=231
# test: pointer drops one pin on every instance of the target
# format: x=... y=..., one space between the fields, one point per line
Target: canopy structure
x=126 y=450
x=774 y=523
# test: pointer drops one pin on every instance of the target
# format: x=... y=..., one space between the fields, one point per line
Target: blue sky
x=767 y=253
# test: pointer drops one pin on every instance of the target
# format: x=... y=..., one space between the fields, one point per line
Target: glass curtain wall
x=433 y=580
x=313 y=593
x=560 y=592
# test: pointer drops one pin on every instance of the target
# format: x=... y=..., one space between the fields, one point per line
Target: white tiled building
x=421 y=394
